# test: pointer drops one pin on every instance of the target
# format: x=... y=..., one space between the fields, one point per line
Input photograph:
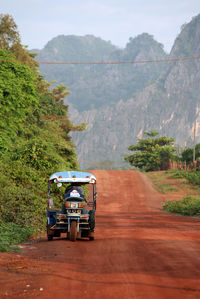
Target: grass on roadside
x=12 y=234
x=192 y=176
x=185 y=183
x=160 y=182
x=189 y=206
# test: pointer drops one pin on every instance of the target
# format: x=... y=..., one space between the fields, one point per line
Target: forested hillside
x=34 y=138
x=95 y=86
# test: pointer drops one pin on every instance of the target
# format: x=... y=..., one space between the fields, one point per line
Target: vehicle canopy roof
x=72 y=177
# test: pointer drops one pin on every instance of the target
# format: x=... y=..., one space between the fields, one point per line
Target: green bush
x=32 y=147
x=189 y=206
x=12 y=234
x=34 y=139
x=192 y=176
x=177 y=174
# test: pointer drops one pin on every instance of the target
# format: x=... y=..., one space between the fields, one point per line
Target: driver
x=74 y=190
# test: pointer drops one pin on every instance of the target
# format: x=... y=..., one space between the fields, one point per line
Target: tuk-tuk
x=77 y=215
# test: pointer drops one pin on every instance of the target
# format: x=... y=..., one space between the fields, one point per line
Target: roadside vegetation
x=161 y=182
x=189 y=206
x=153 y=154
x=182 y=196
x=34 y=138
x=192 y=176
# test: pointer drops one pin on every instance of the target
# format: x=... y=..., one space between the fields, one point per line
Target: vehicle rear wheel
x=91 y=236
x=50 y=233
x=92 y=220
x=73 y=231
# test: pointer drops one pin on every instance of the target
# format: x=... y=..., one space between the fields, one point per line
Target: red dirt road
x=139 y=251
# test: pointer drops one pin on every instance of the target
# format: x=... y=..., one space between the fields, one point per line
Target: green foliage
x=187 y=154
x=8 y=32
x=151 y=133
x=12 y=234
x=192 y=176
x=10 y=39
x=18 y=97
x=161 y=182
x=189 y=206
x=152 y=153
x=178 y=174
x=34 y=142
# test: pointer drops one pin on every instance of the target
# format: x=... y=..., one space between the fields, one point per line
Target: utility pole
x=194 y=156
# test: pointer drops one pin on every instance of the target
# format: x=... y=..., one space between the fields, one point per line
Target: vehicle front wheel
x=50 y=233
x=68 y=236
x=50 y=238
x=73 y=231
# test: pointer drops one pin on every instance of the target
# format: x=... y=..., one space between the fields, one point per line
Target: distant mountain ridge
x=76 y=49
x=94 y=86
x=156 y=96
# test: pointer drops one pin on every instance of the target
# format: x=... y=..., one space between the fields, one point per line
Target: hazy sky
x=115 y=20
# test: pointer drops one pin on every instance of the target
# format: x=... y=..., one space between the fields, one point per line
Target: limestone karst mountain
x=94 y=86
x=120 y=102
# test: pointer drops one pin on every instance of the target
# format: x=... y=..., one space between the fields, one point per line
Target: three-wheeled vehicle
x=77 y=216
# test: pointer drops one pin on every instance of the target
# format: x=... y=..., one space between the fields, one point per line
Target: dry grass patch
x=165 y=182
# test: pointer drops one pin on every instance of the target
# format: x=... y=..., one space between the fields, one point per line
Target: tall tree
x=34 y=133
x=10 y=39
x=152 y=153
x=187 y=154
x=9 y=35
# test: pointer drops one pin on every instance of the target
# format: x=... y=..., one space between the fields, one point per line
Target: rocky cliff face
x=96 y=86
x=119 y=102
x=170 y=105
